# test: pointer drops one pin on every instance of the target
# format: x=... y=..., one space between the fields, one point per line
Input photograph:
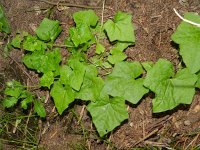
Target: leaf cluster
x=80 y=77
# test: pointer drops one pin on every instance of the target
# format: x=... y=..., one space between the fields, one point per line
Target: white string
x=188 y=21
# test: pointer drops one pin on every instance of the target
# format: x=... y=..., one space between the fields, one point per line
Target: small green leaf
x=122 y=45
x=99 y=48
x=121 y=82
x=147 y=65
x=9 y=102
x=121 y=28
x=26 y=101
x=39 y=108
x=43 y=61
x=48 y=30
x=62 y=96
x=31 y=43
x=92 y=85
x=47 y=79
x=16 y=42
x=107 y=113
x=14 y=89
x=188 y=38
x=85 y=17
x=116 y=56
x=80 y=35
x=170 y=92
x=4 y=25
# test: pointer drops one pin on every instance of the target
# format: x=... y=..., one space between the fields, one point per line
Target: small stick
x=188 y=21
x=72 y=5
x=146 y=137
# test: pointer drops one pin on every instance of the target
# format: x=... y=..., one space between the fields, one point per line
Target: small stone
x=187 y=123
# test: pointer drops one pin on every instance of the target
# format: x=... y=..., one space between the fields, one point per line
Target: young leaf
x=62 y=96
x=39 y=108
x=116 y=56
x=85 y=17
x=92 y=85
x=4 y=25
x=121 y=28
x=107 y=113
x=14 y=89
x=16 y=42
x=9 y=102
x=31 y=43
x=80 y=35
x=43 y=61
x=188 y=38
x=26 y=101
x=48 y=30
x=99 y=48
x=47 y=79
x=170 y=92
x=121 y=82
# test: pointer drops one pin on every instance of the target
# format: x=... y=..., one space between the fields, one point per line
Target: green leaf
x=99 y=48
x=107 y=113
x=43 y=61
x=116 y=56
x=121 y=28
x=85 y=17
x=26 y=101
x=76 y=77
x=65 y=73
x=92 y=85
x=31 y=43
x=147 y=65
x=188 y=38
x=47 y=79
x=9 y=102
x=121 y=82
x=16 y=42
x=198 y=81
x=39 y=108
x=80 y=35
x=14 y=89
x=170 y=91
x=4 y=25
x=122 y=45
x=48 y=30
x=62 y=96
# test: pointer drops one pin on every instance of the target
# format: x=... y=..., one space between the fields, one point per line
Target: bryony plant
x=80 y=77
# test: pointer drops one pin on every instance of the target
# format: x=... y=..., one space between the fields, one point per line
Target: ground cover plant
x=105 y=81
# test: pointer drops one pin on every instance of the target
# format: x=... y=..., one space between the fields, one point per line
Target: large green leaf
x=188 y=38
x=43 y=61
x=85 y=17
x=80 y=35
x=48 y=30
x=122 y=83
x=4 y=25
x=121 y=28
x=62 y=96
x=170 y=91
x=107 y=113
x=92 y=85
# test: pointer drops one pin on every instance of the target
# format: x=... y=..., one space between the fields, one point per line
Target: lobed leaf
x=107 y=113
x=188 y=38
x=170 y=91
x=39 y=108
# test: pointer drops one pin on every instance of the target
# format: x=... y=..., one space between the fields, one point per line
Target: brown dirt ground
x=155 y=22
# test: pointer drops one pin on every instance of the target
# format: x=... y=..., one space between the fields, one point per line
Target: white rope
x=188 y=21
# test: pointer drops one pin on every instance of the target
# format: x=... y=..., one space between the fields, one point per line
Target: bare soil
x=154 y=22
